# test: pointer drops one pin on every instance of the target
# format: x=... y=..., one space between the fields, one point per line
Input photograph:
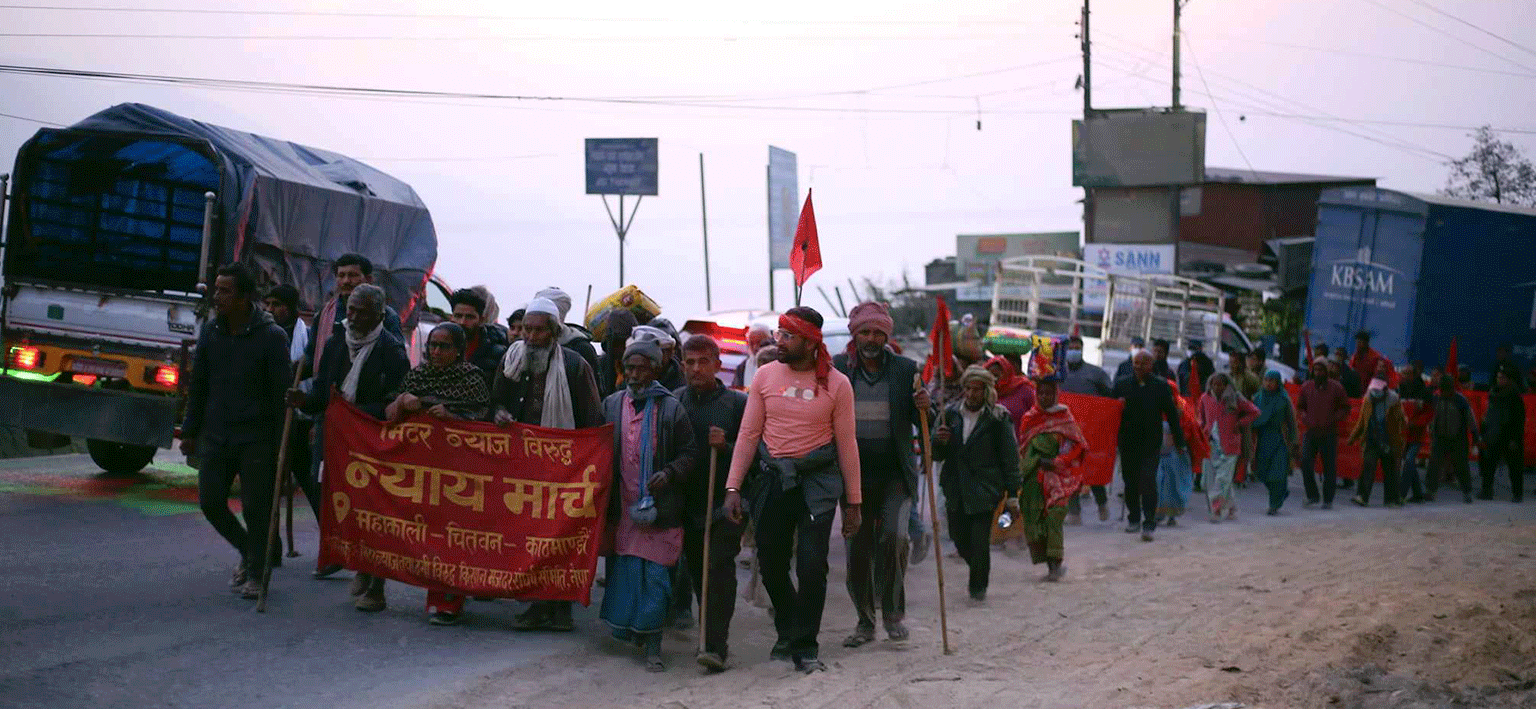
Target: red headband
x=802 y=328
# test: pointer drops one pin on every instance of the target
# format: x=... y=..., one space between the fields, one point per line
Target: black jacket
x=1505 y=420
x=721 y=407
x=339 y=330
x=1159 y=369
x=1207 y=368
x=578 y=340
x=1141 y=421
x=674 y=454
x=382 y=371
x=983 y=469
x=238 y=382
x=511 y=394
x=492 y=347
x=899 y=372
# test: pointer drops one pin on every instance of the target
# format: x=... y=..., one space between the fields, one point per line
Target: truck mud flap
x=119 y=416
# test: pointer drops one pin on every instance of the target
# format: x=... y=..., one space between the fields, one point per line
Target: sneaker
x=1133 y=528
x=1103 y=513
x=780 y=652
x=712 y=661
x=251 y=590
x=444 y=618
x=809 y=665
x=894 y=630
x=327 y=571
x=370 y=602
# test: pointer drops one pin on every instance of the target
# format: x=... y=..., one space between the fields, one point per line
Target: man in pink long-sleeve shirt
x=799 y=425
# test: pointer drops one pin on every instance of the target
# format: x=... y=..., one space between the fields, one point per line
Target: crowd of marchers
x=802 y=435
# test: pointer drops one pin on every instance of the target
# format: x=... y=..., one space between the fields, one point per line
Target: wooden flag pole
x=277 y=487
x=709 y=521
x=933 y=511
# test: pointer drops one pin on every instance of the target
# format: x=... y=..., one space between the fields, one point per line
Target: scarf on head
x=802 y=328
x=1011 y=378
x=1273 y=405
x=558 y=411
x=460 y=387
x=1060 y=484
x=1228 y=398
x=358 y=349
x=989 y=405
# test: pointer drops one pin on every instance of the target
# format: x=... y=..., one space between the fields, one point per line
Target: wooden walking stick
x=709 y=521
x=277 y=486
x=289 y=484
x=933 y=511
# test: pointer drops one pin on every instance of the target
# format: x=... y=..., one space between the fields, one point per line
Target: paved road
x=114 y=593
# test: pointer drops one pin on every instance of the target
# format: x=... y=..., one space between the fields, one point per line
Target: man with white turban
x=571 y=336
x=544 y=384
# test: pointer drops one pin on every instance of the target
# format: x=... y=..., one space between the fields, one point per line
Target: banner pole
x=709 y=521
x=277 y=486
x=933 y=511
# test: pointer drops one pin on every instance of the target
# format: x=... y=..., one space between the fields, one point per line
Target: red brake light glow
x=167 y=376
x=27 y=357
x=85 y=379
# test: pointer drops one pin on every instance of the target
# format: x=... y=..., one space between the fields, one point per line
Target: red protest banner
x=1099 y=418
x=466 y=507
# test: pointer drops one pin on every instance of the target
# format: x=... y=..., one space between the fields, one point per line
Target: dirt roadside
x=1425 y=607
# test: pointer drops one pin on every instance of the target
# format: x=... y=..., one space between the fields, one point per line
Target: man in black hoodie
x=234 y=412
x=484 y=344
x=1504 y=433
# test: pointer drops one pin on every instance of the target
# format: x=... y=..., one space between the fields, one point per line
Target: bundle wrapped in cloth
x=629 y=298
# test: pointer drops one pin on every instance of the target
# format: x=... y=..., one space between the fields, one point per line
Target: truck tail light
x=84 y=379
x=26 y=357
x=167 y=376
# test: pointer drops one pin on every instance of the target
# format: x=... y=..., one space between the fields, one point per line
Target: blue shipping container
x=1417 y=271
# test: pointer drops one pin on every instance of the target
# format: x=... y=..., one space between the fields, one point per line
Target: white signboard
x=783 y=205
x=1131 y=259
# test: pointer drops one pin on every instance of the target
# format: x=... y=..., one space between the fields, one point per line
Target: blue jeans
x=1411 y=480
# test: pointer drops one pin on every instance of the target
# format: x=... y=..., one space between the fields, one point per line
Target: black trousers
x=1452 y=452
x=724 y=545
x=1326 y=444
x=972 y=535
x=1139 y=471
x=1374 y=455
x=1100 y=497
x=306 y=474
x=877 y=554
x=786 y=528
x=1511 y=454
x=253 y=463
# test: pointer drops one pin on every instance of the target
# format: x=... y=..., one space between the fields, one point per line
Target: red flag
x=941 y=361
x=805 y=254
x=1307 y=335
x=1194 y=380
x=1450 y=365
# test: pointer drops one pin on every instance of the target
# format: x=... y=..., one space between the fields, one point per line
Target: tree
x=1495 y=171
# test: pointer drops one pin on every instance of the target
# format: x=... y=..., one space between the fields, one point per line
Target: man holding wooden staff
x=716 y=413
x=240 y=371
x=799 y=424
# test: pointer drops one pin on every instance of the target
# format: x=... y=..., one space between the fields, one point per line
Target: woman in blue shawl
x=1275 y=430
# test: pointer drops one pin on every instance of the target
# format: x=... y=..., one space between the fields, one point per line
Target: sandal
x=655 y=664
x=896 y=631
x=860 y=637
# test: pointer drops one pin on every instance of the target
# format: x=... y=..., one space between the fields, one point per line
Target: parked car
x=729 y=328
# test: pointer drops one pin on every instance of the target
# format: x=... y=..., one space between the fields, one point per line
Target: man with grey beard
x=544 y=384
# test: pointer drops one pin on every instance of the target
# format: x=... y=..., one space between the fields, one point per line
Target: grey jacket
x=238 y=382
x=674 y=454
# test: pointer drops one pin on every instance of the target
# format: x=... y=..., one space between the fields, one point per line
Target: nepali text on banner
x=467 y=507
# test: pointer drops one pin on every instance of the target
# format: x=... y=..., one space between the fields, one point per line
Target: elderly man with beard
x=365 y=366
x=653 y=453
x=544 y=384
x=671 y=373
x=976 y=442
x=571 y=336
x=886 y=401
x=800 y=428
x=234 y=409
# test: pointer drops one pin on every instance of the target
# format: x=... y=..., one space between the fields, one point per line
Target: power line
x=1441 y=30
x=1367 y=55
x=1501 y=38
x=617 y=39
x=1219 y=115
x=513 y=18
x=32 y=120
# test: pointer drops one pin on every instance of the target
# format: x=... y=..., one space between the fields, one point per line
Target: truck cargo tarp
x=287 y=210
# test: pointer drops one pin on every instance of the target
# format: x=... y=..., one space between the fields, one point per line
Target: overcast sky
x=879 y=99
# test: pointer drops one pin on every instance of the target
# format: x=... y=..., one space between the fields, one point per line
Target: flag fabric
x=1307 y=335
x=941 y=361
x=1099 y=419
x=1194 y=381
x=805 y=254
x=1450 y=365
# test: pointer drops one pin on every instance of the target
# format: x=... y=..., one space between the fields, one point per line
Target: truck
x=112 y=227
x=1418 y=272
x=1054 y=296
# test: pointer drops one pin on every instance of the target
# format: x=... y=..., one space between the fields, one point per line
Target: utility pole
x=704 y=219
x=1177 y=6
x=1088 y=65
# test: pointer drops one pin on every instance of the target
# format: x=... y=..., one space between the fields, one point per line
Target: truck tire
x=120 y=458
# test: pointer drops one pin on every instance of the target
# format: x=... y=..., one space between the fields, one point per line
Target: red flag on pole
x=1450 y=365
x=1307 y=335
x=805 y=254
x=941 y=361
x=1194 y=380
